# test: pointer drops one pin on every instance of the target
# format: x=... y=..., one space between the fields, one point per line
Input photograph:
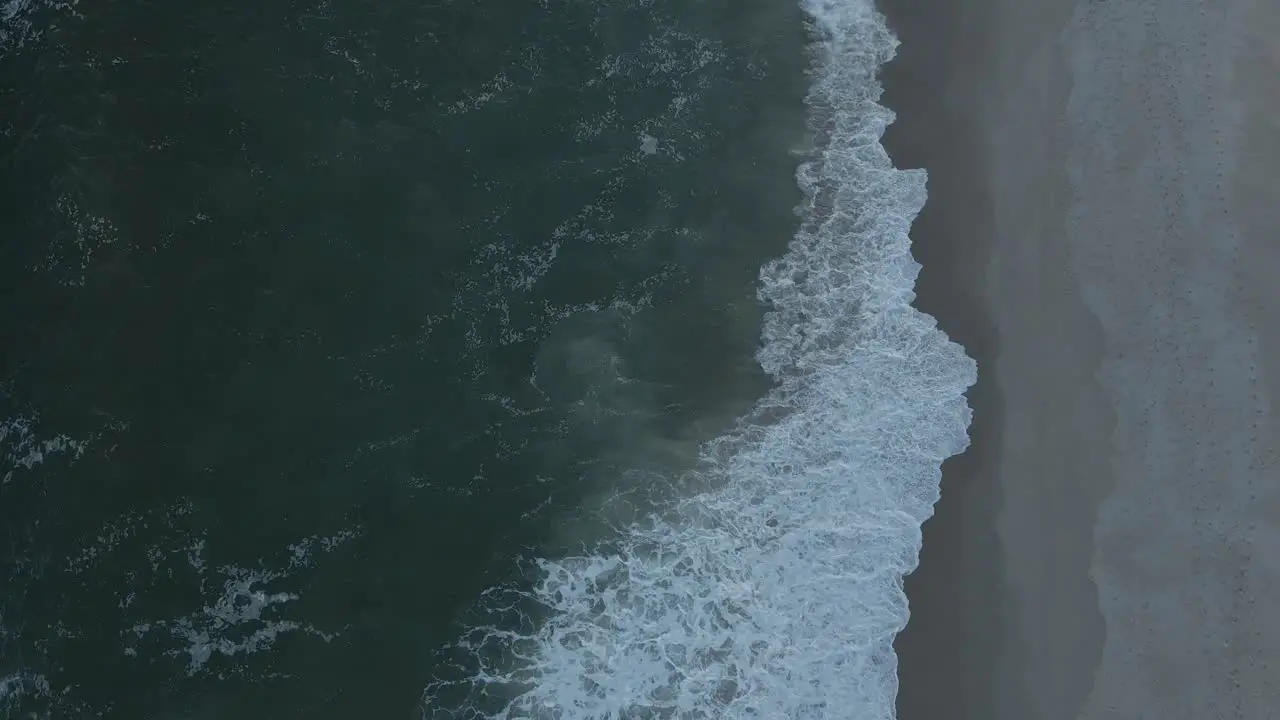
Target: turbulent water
x=777 y=593
x=368 y=350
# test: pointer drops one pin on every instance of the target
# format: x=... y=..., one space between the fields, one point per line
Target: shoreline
x=1099 y=236
x=959 y=567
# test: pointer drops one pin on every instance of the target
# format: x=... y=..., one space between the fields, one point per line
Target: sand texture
x=1130 y=171
x=1173 y=249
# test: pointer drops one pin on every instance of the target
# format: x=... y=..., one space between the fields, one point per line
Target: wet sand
x=1103 y=236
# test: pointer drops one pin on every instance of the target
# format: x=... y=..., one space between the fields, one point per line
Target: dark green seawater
x=317 y=317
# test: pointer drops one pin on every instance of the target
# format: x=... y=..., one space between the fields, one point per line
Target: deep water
x=458 y=359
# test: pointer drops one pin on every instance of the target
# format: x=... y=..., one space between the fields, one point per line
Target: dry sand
x=1103 y=234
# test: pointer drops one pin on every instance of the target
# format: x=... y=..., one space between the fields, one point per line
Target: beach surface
x=1102 y=236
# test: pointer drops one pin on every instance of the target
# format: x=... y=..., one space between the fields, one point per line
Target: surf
x=776 y=590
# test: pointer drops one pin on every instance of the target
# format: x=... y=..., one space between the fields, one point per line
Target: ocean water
x=469 y=359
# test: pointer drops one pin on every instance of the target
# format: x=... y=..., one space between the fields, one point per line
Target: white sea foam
x=17 y=685
x=242 y=614
x=23 y=21
x=776 y=594
x=23 y=446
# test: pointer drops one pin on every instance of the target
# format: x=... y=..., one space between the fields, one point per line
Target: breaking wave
x=777 y=591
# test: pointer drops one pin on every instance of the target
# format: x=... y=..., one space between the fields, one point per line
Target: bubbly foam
x=777 y=593
x=244 y=609
x=17 y=685
x=23 y=447
x=24 y=21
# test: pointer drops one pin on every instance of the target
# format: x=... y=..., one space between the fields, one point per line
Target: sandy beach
x=1103 y=236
